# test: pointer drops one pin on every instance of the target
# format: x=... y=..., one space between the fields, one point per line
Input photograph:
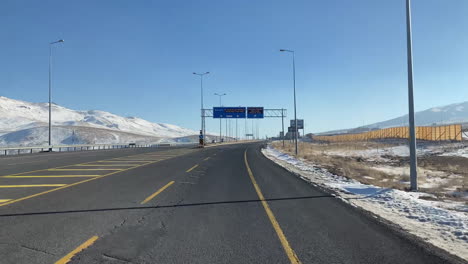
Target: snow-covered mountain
x=25 y=123
x=443 y=115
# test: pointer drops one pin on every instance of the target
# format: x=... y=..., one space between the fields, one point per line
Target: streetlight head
x=282 y=50
x=61 y=40
x=194 y=72
x=207 y=72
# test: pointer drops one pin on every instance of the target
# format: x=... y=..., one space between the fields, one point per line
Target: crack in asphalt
x=109 y=257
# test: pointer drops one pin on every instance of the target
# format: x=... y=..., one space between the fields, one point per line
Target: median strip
x=157 y=192
x=284 y=242
x=81 y=247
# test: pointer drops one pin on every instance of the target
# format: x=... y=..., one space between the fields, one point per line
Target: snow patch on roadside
x=432 y=221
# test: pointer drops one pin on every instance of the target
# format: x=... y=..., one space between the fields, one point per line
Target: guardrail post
x=18 y=151
x=31 y=151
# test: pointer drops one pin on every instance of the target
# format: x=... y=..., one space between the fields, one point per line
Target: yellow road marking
x=144 y=160
x=31 y=185
x=81 y=247
x=4 y=200
x=284 y=242
x=73 y=184
x=147 y=162
x=49 y=176
x=123 y=157
x=81 y=169
x=130 y=161
x=157 y=192
x=104 y=165
x=207 y=158
x=189 y=170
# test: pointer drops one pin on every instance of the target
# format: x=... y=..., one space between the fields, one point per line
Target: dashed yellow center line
x=81 y=247
x=189 y=170
x=50 y=176
x=157 y=192
x=207 y=158
x=83 y=169
x=4 y=200
x=284 y=242
x=31 y=185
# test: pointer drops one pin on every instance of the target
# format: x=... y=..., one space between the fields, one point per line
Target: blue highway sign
x=228 y=112
x=254 y=112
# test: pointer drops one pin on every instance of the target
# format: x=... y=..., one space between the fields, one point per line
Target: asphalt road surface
x=224 y=204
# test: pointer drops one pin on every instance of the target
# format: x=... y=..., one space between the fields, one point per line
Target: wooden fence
x=436 y=133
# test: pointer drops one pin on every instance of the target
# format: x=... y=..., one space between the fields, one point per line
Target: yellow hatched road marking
x=157 y=192
x=124 y=157
x=142 y=160
x=82 y=169
x=104 y=165
x=81 y=247
x=49 y=176
x=4 y=200
x=131 y=161
x=73 y=184
x=284 y=242
x=189 y=170
x=207 y=158
x=31 y=185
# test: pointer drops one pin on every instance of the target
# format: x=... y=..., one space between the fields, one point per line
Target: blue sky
x=136 y=58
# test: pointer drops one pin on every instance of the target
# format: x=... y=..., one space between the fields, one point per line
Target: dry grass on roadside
x=445 y=177
x=343 y=166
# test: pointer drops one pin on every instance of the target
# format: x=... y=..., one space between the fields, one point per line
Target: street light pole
x=412 y=129
x=202 y=111
x=50 y=91
x=294 y=87
x=282 y=122
x=220 y=104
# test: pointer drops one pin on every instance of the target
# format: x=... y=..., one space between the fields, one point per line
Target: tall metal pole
x=295 y=116
x=50 y=97
x=220 y=104
x=236 y=130
x=412 y=129
x=294 y=87
x=202 y=112
x=202 y=115
x=50 y=91
x=282 y=122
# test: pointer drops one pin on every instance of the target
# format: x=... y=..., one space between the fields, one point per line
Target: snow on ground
x=432 y=221
x=380 y=154
x=462 y=152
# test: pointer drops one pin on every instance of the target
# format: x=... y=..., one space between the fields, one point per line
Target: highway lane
x=196 y=206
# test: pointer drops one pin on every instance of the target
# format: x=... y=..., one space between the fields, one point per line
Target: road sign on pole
x=300 y=123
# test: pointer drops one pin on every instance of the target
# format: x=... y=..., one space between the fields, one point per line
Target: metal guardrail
x=68 y=148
